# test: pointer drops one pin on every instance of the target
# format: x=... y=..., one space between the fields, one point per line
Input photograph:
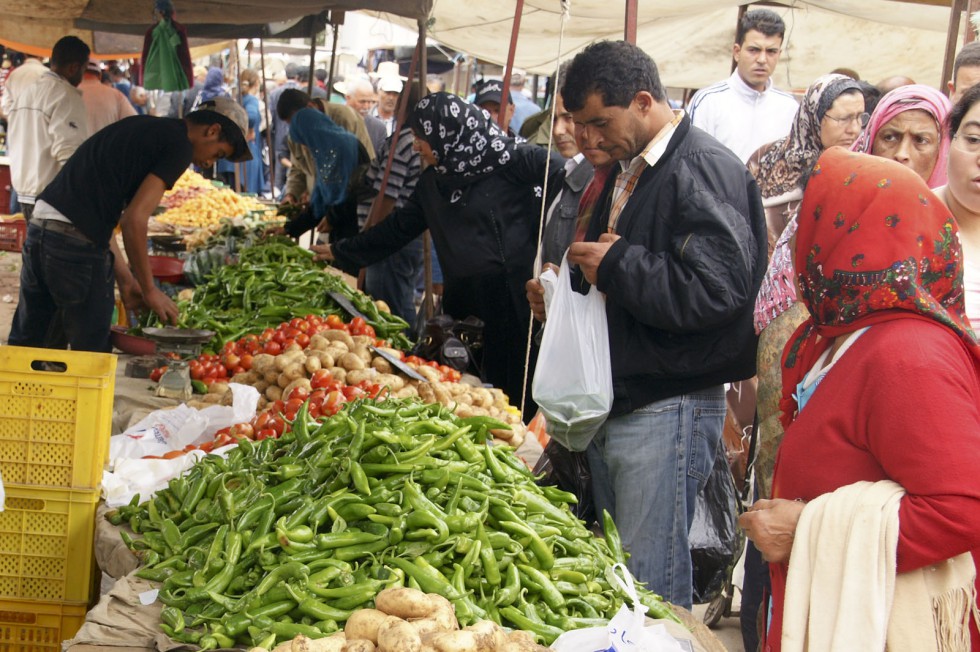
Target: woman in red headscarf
x=882 y=381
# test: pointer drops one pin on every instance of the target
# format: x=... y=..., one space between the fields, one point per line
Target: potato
x=260 y=385
x=426 y=626
x=363 y=353
x=337 y=349
x=283 y=360
x=261 y=362
x=426 y=393
x=339 y=336
x=382 y=365
x=339 y=374
x=293 y=348
x=285 y=646
x=312 y=364
x=408 y=391
x=273 y=392
x=328 y=644
x=404 y=602
x=363 y=340
x=364 y=623
x=262 y=403
x=359 y=645
x=326 y=360
x=429 y=374
x=211 y=398
x=299 y=382
x=271 y=376
x=355 y=376
x=283 y=380
x=317 y=343
x=458 y=641
x=391 y=381
x=489 y=635
x=444 y=613
x=382 y=306
x=218 y=387
x=397 y=635
x=442 y=394
x=351 y=361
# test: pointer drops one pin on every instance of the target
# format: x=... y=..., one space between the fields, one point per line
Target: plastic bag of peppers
x=288 y=536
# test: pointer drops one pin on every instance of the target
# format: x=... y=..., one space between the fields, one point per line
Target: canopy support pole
x=336 y=20
x=311 y=79
x=629 y=31
x=509 y=68
x=268 y=122
x=952 y=35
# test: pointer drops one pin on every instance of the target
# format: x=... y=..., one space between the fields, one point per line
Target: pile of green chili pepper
x=288 y=536
x=273 y=282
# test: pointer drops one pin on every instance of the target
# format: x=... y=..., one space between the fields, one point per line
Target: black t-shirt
x=103 y=175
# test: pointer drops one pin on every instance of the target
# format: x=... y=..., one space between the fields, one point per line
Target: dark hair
x=961 y=108
x=765 y=21
x=616 y=70
x=847 y=72
x=871 y=96
x=969 y=56
x=207 y=118
x=292 y=71
x=68 y=50
x=320 y=74
x=290 y=101
x=303 y=75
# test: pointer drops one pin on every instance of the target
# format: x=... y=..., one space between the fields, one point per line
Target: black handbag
x=450 y=342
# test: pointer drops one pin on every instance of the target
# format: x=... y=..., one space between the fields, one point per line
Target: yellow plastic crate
x=55 y=425
x=27 y=626
x=47 y=544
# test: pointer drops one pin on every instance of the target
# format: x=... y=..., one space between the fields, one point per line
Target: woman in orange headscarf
x=882 y=381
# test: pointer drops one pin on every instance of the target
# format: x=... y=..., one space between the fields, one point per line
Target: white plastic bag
x=573 y=379
x=626 y=632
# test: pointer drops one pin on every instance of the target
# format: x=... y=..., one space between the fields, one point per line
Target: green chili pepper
x=613 y=540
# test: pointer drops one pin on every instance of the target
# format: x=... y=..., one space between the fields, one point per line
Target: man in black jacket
x=677 y=244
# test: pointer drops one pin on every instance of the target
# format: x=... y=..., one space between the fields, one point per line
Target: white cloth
x=842 y=589
x=47 y=124
x=103 y=104
x=741 y=118
x=971 y=287
x=20 y=78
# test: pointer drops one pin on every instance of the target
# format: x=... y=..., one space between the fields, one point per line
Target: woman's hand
x=771 y=525
x=323 y=252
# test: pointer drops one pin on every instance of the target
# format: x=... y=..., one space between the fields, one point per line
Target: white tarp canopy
x=691 y=41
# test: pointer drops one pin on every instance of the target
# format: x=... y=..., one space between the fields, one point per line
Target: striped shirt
x=405 y=170
x=627 y=179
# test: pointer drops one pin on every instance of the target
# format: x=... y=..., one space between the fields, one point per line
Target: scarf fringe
x=951 y=614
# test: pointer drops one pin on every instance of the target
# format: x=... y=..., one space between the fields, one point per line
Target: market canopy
x=691 y=41
x=103 y=24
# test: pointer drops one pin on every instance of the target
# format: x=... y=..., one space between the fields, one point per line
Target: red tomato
x=266 y=433
x=279 y=337
x=207 y=446
x=300 y=393
x=231 y=360
x=335 y=322
x=334 y=401
x=157 y=373
x=278 y=425
x=242 y=430
x=246 y=361
x=321 y=379
x=169 y=455
x=272 y=347
x=197 y=370
x=351 y=392
x=292 y=407
x=303 y=340
x=261 y=419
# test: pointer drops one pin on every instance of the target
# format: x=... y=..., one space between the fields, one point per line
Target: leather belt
x=64 y=228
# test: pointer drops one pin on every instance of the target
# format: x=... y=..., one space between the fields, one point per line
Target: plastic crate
x=55 y=425
x=38 y=626
x=47 y=544
x=12 y=235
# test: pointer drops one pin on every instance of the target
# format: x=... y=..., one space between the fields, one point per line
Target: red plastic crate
x=12 y=235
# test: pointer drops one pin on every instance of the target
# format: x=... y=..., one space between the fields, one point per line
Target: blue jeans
x=393 y=279
x=67 y=278
x=647 y=469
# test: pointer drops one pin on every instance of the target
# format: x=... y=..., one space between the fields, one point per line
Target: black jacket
x=682 y=280
x=481 y=226
x=560 y=229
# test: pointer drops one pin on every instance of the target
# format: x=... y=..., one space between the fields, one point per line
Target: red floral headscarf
x=873 y=244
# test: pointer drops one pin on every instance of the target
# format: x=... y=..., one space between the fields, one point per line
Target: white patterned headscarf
x=466 y=142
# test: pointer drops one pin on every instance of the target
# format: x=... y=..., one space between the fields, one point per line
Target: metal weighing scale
x=187 y=343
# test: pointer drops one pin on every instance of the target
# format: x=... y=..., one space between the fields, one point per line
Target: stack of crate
x=55 y=421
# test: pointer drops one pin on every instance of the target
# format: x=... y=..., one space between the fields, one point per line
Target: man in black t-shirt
x=117 y=176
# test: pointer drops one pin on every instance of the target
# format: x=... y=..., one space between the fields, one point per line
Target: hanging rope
x=565 y=15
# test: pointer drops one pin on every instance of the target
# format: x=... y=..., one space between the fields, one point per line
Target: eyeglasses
x=969 y=143
x=861 y=118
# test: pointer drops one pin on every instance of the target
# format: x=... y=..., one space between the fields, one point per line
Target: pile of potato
x=350 y=361
x=408 y=620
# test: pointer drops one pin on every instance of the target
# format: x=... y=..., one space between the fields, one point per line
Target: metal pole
x=313 y=32
x=629 y=31
x=951 y=35
x=239 y=168
x=268 y=122
x=336 y=20
x=508 y=69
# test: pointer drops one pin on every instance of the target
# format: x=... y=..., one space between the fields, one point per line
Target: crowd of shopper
x=825 y=250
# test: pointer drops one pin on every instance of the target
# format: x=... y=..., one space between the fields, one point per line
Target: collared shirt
x=389 y=122
x=631 y=172
x=742 y=118
x=47 y=124
x=18 y=80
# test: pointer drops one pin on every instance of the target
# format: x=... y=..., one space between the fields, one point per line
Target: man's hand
x=162 y=305
x=771 y=525
x=323 y=226
x=535 y=294
x=289 y=199
x=131 y=295
x=588 y=255
x=323 y=252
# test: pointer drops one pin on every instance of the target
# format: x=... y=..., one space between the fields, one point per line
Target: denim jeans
x=67 y=278
x=647 y=469
x=393 y=279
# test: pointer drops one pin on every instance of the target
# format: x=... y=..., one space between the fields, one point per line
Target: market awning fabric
x=691 y=41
